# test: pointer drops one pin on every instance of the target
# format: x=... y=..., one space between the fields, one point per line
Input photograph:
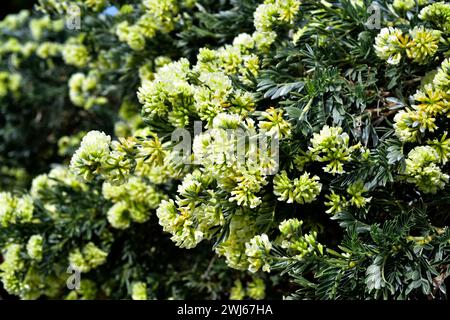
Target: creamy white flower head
x=93 y=151
x=389 y=45
x=244 y=41
x=34 y=247
x=139 y=291
x=257 y=250
x=227 y=121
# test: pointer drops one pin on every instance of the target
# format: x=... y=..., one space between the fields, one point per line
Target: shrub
x=313 y=160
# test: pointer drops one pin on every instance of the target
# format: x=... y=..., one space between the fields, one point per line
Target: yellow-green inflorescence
x=139 y=291
x=422 y=169
x=297 y=244
x=15 y=209
x=419 y=44
x=87 y=258
x=133 y=201
x=423 y=163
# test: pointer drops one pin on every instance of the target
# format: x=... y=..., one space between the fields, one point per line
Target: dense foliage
x=226 y=149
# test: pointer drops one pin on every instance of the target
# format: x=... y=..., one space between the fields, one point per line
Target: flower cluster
x=83 y=90
x=422 y=170
x=274 y=12
x=442 y=147
x=14 y=21
x=139 y=291
x=11 y=268
x=182 y=93
x=238 y=156
x=142 y=155
x=437 y=13
x=425 y=118
x=9 y=83
x=41 y=43
x=156 y=16
x=257 y=251
x=331 y=145
x=411 y=124
x=87 y=290
x=301 y=190
x=297 y=244
x=178 y=223
x=35 y=247
x=194 y=219
x=404 y=5
x=48 y=50
x=389 y=45
x=241 y=229
x=88 y=258
x=50 y=182
x=420 y=45
x=75 y=54
x=19 y=273
x=88 y=159
x=274 y=124
x=41 y=25
x=169 y=94
x=338 y=203
x=356 y=191
x=132 y=200
x=237 y=292
x=255 y=290
x=423 y=45
x=442 y=78
x=15 y=209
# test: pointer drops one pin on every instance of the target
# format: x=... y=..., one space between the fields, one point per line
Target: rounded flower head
x=404 y=126
x=275 y=124
x=272 y=12
x=237 y=291
x=90 y=257
x=227 y=121
x=179 y=223
x=10 y=269
x=242 y=229
x=431 y=100
x=437 y=13
x=244 y=41
x=404 y=5
x=256 y=289
x=257 y=251
x=265 y=16
x=9 y=83
x=331 y=145
x=442 y=78
x=301 y=190
x=75 y=54
x=423 y=44
x=86 y=291
x=15 y=209
x=95 y=5
x=389 y=45
x=93 y=152
x=139 y=291
x=118 y=215
x=48 y=49
x=422 y=170
x=290 y=227
x=34 y=247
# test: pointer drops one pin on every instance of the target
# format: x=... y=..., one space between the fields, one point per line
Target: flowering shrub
x=284 y=148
